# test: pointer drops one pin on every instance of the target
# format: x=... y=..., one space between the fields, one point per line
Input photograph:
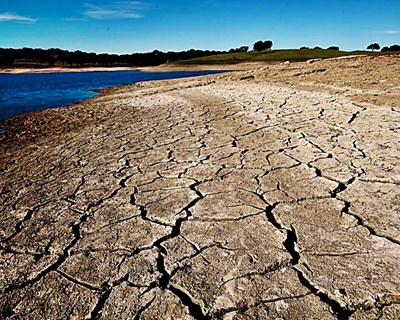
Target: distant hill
x=274 y=55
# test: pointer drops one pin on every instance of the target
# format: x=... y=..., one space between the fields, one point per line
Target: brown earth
x=263 y=194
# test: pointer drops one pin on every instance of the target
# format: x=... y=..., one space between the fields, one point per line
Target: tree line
x=28 y=57
x=57 y=57
x=319 y=48
x=32 y=58
x=376 y=46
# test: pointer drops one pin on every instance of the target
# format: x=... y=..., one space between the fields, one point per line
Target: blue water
x=21 y=93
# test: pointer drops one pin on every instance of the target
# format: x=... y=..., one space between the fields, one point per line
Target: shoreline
x=160 y=68
x=104 y=91
x=61 y=70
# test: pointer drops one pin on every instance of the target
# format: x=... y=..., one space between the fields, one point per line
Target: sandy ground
x=263 y=194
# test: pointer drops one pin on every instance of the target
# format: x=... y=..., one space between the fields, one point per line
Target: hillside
x=274 y=55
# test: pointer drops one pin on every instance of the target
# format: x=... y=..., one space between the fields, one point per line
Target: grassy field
x=274 y=55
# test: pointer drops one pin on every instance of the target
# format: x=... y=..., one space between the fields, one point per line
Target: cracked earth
x=264 y=194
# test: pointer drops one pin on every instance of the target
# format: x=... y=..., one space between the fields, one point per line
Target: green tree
x=373 y=46
x=262 y=45
x=258 y=46
x=394 y=48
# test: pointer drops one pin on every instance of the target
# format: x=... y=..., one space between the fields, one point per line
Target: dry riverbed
x=264 y=194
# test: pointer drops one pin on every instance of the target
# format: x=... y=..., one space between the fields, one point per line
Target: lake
x=21 y=93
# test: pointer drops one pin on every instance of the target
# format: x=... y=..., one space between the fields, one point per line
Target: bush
x=333 y=48
x=241 y=49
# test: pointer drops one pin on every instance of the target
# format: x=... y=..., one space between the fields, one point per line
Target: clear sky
x=118 y=26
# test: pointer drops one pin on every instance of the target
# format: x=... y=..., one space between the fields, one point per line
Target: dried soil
x=260 y=194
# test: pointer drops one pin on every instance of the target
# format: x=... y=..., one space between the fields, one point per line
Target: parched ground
x=264 y=194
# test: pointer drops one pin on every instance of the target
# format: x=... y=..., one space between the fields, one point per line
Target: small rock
x=247 y=78
x=313 y=60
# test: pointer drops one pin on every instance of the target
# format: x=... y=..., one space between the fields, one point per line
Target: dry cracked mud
x=207 y=198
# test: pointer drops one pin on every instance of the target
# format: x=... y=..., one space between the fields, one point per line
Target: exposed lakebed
x=21 y=93
x=265 y=194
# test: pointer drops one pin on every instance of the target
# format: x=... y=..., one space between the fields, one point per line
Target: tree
x=304 y=48
x=268 y=45
x=51 y=60
x=262 y=45
x=333 y=48
x=394 y=48
x=6 y=59
x=373 y=46
x=258 y=46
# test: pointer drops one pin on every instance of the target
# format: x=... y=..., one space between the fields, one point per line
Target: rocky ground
x=264 y=194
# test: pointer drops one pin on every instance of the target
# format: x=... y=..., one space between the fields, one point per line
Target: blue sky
x=140 y=26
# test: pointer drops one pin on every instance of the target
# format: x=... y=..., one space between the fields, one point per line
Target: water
x=21 y=93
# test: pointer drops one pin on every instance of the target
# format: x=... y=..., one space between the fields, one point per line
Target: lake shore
x=60 y=70
x=162 y=68
x=269 y=191
x=170 y=67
